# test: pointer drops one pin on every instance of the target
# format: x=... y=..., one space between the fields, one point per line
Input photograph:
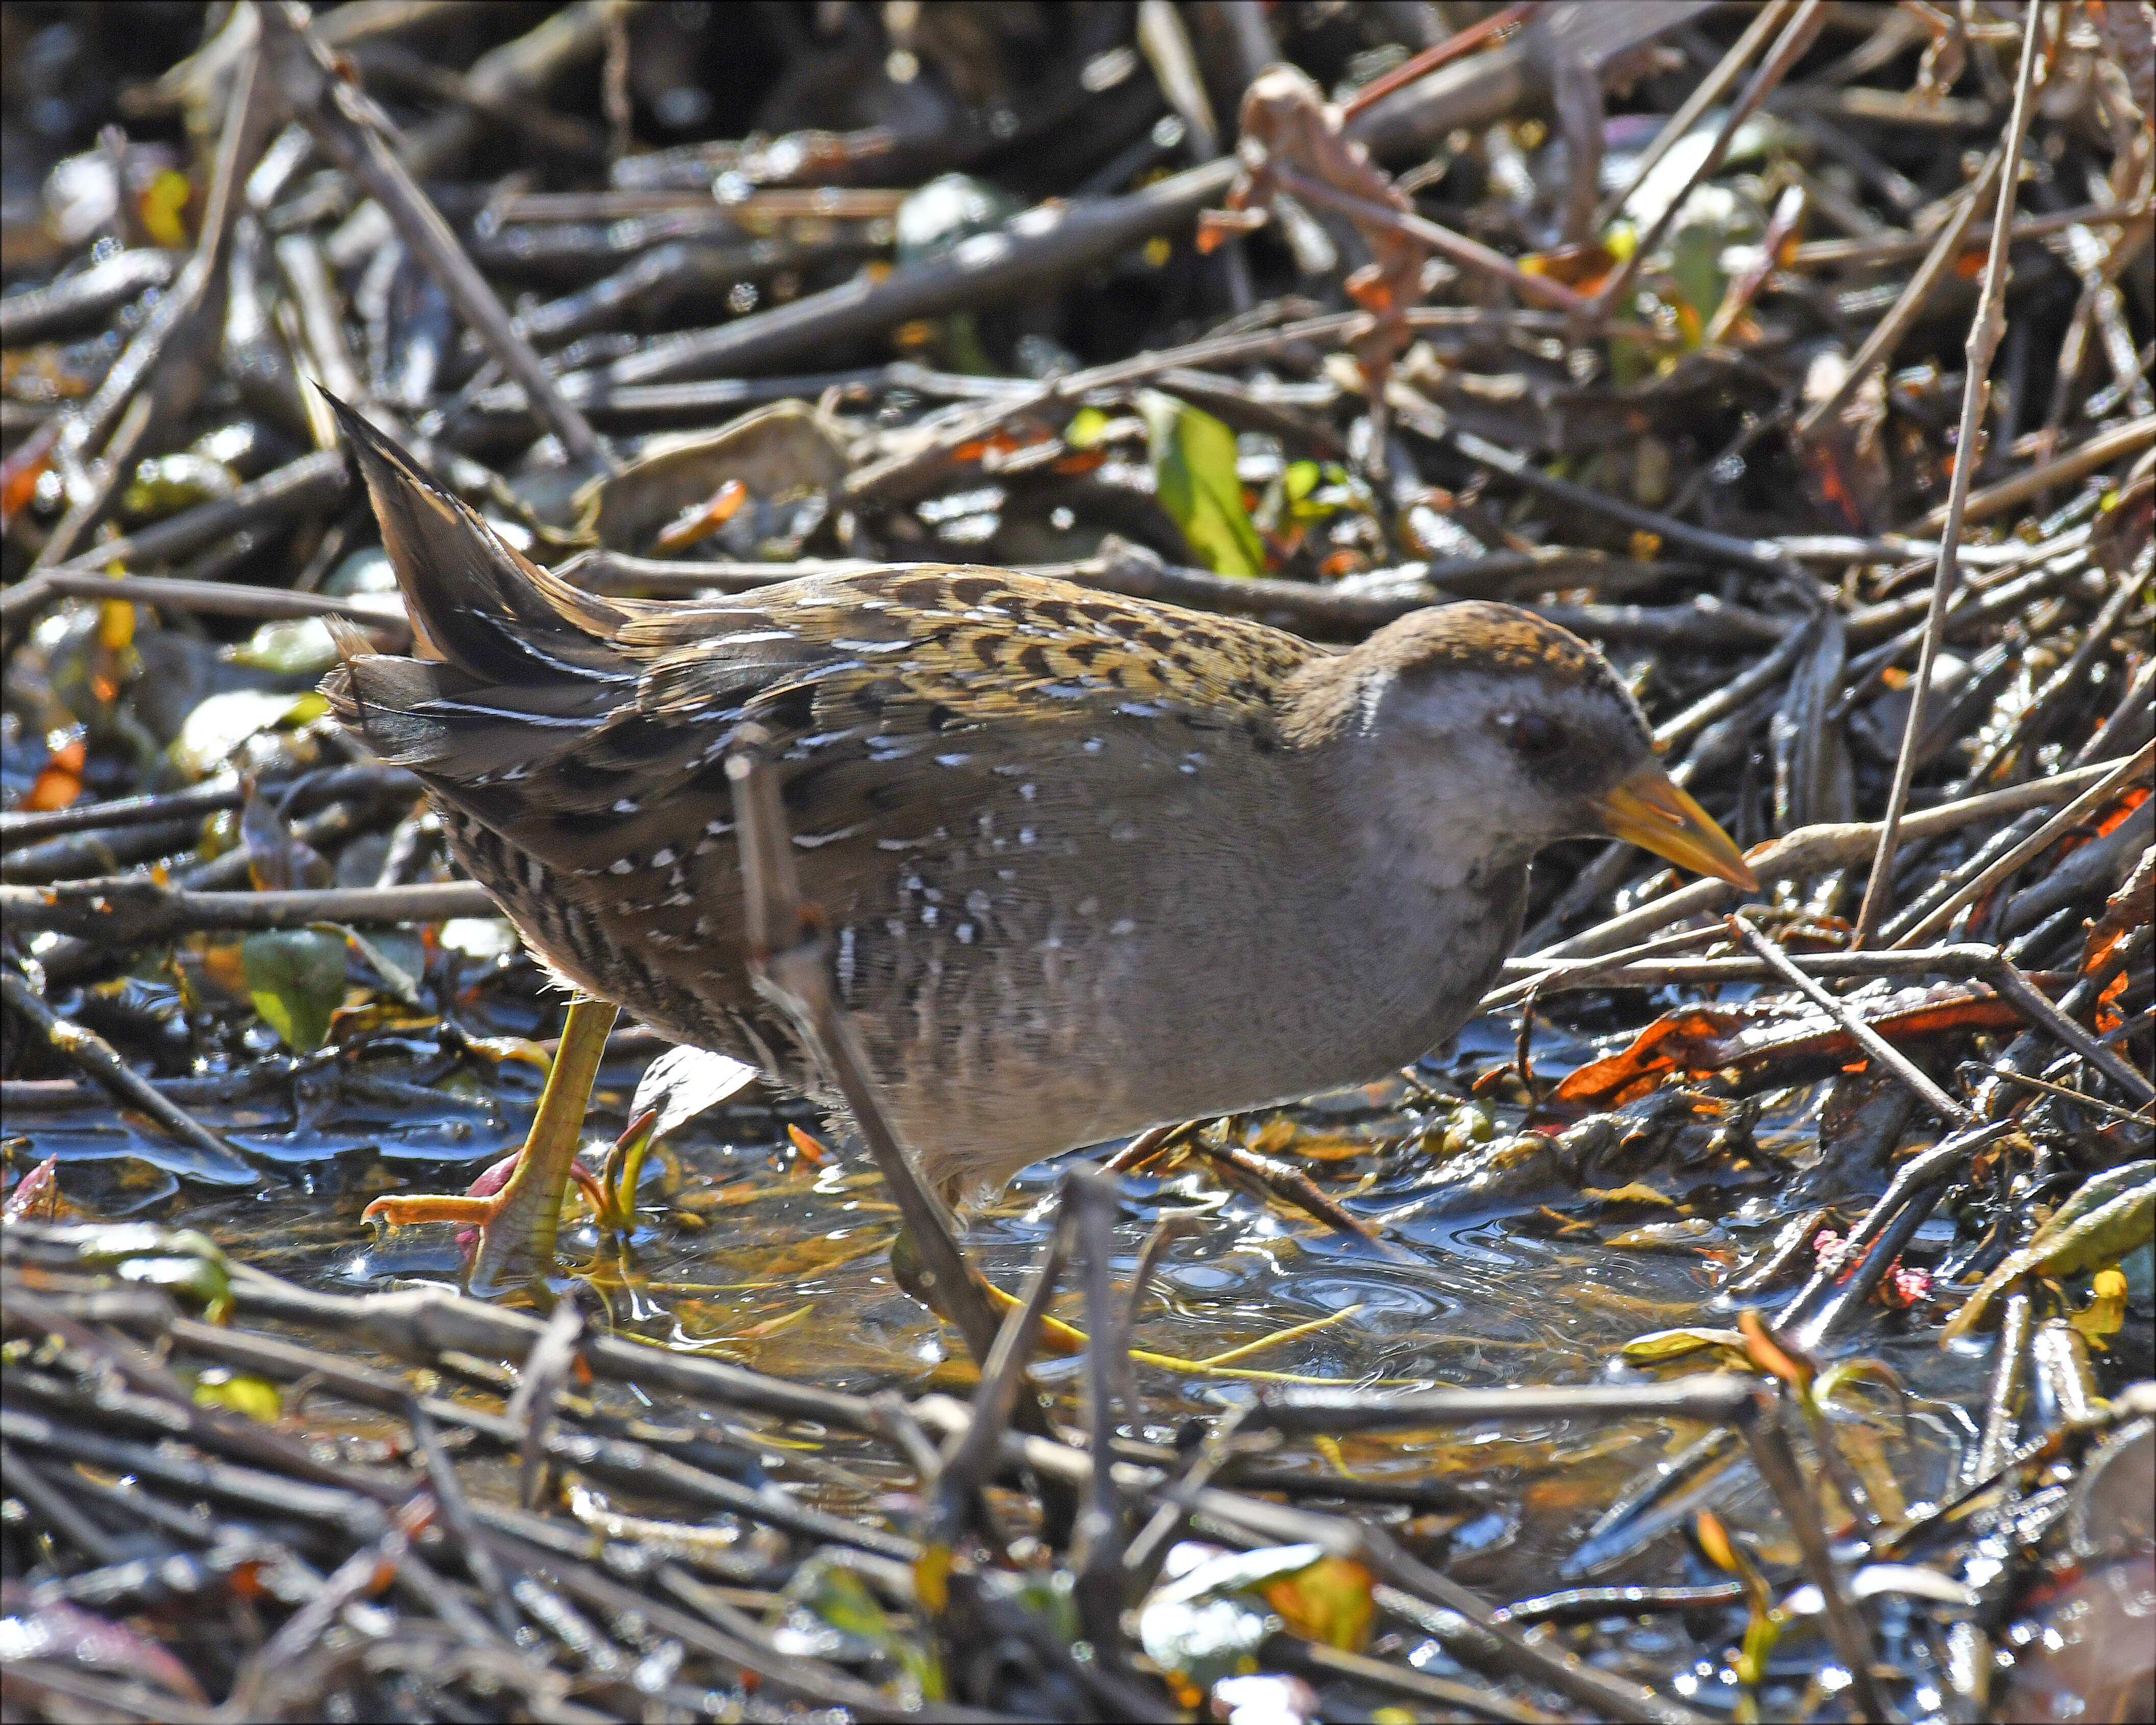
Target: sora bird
x=1090 y=864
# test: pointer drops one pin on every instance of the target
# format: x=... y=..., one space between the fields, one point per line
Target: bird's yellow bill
x=1649 y=811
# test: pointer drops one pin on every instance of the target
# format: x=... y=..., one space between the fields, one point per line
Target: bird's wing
x=846 y=675
x=936 y=648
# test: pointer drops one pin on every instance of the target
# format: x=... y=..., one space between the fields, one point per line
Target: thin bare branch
x=1983 y=334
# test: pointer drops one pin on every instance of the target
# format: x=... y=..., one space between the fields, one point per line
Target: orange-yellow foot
x=479 y=1206
x=516 y=1205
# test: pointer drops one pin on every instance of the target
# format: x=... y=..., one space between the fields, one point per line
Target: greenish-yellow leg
x=517 y=1224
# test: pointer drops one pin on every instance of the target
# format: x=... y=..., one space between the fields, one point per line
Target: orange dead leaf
x=59 y=782
x=1768 y=1354
x=1714 y=1540
x=1582 y=268
x=1328 y=1602
x=1776 y=1043
x=2133 y=904
x=21 y=471
x=701 y=519
x=2108 y=1017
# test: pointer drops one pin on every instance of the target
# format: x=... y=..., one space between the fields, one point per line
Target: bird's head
x=1496 y=732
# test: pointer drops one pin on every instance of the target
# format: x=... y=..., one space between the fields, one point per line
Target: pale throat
x=1441 y=823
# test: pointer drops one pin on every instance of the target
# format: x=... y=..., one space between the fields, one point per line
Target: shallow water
x=751 y=1251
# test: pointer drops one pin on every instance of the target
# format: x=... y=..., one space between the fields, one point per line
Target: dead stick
x=1984 y=333
x=418 y=1324
x=2030 y=1003
x=1789 y=48
x=2105 y=447
x=1093 y=1199
x=135 y=910
x=298 y=488
x=18 y=828
x=1799 y=1318
x=1038 y=251
x=349 y=128
x=2080 y=1099
x=1421 y=65
x=2117 y=779
x=1460 y=1615
x=1708 y=91
x=1878 y=347
x=219 y=598
x=2042 y=707
x=1816 y=253
x=1454 y=248
x=968 y=1455
x=1618 y=971
x=1810 y=850
x=1873 y=1044
x=167 y=362
x=1423 y=416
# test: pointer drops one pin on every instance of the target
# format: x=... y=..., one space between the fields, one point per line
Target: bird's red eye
x=1536 y=735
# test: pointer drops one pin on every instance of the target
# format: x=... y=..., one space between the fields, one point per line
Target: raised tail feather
x=518 y=712
x=501 y=644
x=473 y=600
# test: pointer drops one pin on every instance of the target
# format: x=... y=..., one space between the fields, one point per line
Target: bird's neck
x=1423 y=821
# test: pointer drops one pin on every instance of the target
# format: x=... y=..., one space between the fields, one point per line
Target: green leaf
x=1696 y=269
x=1085 y=429
x=187 y=1261
x=1307 y=492
x=842 y=1599
x=297 y=646
x=242 y=1393
x=2101 y=1237
x=1674 y=1344
x=220 y=724
x=2100 y=1225
x=296 y=978
x=960 y=342
x=1328 y=1602
x=1194 y=467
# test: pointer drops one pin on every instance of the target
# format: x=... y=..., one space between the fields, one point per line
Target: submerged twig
x=97 y=1060
x=1777 y=1463
x=1298 y=1189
